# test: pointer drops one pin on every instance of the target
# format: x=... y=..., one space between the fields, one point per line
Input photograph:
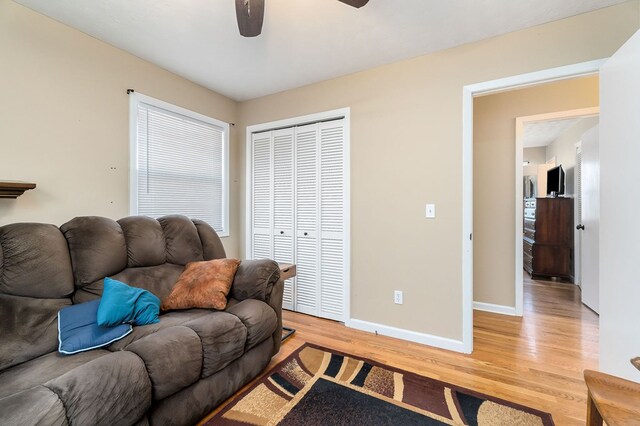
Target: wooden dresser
x=548 y=237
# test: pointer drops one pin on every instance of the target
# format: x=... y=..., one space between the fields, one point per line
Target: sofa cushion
x=171 y=319
x=113 y=389
x=259 y=319
x=173 y=359
x=145 y=241
x=159 y=280
x=207 y=394
x=28 y=327
x=223 y=338
x=144 y=421
x=203 y=285
x=42 y=369
x=97 y=248
x=78 y=329
x=182 y=239
x=121 y=303
x=212 y=247
x=35 y=406
x=34 y=261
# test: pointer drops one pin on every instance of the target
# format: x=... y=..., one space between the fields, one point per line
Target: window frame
x=135 y=99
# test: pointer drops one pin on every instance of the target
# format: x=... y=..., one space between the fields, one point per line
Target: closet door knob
x=306 y=233
x=580 y=227
x=281 y=232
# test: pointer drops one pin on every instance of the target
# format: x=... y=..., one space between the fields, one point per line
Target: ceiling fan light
x=355 y=3
x=250 y=16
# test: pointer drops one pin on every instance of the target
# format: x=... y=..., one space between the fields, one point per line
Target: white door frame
x=468 y=93
x=577 y=216
x=296 y=121
x=520 y=123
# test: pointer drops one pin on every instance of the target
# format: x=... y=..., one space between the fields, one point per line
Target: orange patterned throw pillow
x=203 y=285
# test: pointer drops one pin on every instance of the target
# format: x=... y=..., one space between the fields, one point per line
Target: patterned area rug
x=319 y=386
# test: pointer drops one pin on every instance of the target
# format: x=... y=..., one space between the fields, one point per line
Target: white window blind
x=179 y=162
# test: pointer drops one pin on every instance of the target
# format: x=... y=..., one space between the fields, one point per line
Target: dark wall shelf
x=14 y=189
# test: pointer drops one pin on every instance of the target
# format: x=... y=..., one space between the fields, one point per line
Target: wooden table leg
x=593 y=415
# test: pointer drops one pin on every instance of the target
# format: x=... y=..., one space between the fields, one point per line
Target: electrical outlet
x=397 y=297
x=430 y=211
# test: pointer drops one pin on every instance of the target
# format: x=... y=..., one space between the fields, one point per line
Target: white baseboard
x=412 y=336
x=496 y=309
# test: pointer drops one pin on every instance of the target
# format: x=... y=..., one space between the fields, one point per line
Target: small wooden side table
x=287 y=270
x=612 y=399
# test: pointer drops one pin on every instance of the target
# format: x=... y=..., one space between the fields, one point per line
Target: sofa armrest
x=36 y=406
x=260 y=279
x=255 y=279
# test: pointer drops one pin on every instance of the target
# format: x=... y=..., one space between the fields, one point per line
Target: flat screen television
x=555 y=180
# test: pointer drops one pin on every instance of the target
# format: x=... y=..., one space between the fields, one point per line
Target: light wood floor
x=536 y=360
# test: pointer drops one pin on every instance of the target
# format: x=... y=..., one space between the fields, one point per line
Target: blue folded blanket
x=121 y=303
x=78 y=329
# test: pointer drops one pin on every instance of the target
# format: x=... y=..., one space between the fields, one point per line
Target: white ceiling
x=302 y=41
x=542 y=133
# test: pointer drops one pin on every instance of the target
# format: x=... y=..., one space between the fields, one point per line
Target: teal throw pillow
x=123 y=304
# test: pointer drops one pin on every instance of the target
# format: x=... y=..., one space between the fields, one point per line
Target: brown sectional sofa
x=172 y=372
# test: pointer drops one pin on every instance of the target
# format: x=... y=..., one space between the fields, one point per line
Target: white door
x=577 y=236
x=298 y=198
x=589 y=226
x=332 y=241
x=619 y=209
x=283 y=208
x=307 y=264
x=262 y=196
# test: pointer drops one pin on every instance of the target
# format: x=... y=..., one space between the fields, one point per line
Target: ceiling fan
x=250 y=14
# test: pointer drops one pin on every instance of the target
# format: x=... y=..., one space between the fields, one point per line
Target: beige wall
x=494 y=177
x=64 y=116
x=564 y=149
x=406 y=134
x=537 y=155
x=406 y=142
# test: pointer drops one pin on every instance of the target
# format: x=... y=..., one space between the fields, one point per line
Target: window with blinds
x=179 y=163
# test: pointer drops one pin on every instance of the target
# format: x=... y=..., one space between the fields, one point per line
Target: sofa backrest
x=43 y=269
x=137 y=250
x=36 y=281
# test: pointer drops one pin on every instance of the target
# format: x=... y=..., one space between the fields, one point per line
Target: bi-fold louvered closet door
x=298 y=212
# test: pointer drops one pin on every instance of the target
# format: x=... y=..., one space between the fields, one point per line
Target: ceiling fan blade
x=355 y=3
x=250 y=14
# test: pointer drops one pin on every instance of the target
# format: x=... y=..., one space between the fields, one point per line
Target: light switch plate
x=430 y=211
